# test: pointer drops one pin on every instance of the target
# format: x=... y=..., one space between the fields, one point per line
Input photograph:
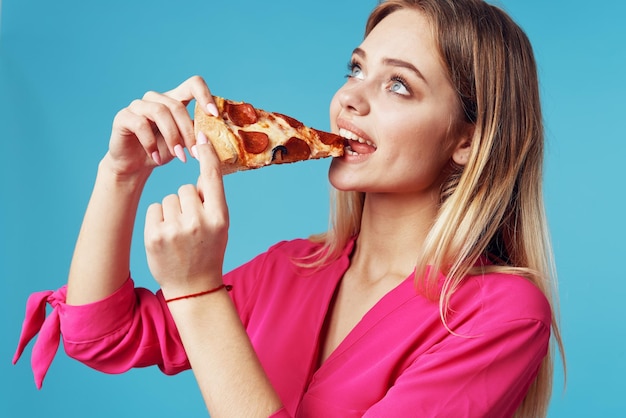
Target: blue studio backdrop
x=67 y=66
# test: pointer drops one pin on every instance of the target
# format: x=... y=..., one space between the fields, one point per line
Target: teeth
x=353 y=137
x=348 y=150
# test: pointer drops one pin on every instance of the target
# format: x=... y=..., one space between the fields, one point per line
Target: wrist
x=199 y=294
x=201 y=308
x=109 y=169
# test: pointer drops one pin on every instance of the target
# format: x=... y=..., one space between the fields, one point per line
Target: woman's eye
x=398 y=86
x=354 y=71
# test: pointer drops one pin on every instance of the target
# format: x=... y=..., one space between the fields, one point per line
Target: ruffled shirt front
x=398 y=361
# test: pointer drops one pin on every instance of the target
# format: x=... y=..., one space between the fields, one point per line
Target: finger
x=161 y=116
x=179 y=113
x=154 y=214
x=190 y=201
x=195 y=88
x=128 y=123
x=171 y=207
x=210 y=183
x=154 y=217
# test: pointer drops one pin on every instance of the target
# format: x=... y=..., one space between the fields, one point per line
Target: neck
x=393 y=230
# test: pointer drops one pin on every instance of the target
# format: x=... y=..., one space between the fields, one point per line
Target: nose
x=353 y=98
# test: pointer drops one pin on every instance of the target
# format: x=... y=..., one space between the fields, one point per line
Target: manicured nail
x=212 y=109
x=156 y=157
x=194 y=151
x=180 y=153
x=202 y=139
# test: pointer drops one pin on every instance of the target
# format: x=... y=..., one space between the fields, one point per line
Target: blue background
x=67 y=66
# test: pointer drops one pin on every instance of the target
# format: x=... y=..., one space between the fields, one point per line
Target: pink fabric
x=130 y=328
x=35 y=322
x=398 y=361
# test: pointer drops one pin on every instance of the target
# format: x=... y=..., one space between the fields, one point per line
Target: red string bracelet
x=228 y=288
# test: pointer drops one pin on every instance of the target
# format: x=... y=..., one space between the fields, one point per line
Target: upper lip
x=352 y=129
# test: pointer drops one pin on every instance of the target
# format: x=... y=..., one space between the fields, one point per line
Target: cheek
x=422 y=144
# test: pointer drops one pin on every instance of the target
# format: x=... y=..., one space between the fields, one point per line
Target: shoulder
x=282 y=261
x=308 y=256
x=501 y=298
x=279 y=278
x=299 y=247
x=295 y=249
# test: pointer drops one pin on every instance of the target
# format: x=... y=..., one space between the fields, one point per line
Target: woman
x=429 y=295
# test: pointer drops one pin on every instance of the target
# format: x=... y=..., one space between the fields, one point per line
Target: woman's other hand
x=186 y=234
x=153 y=130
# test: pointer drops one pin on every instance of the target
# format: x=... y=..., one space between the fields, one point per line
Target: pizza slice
x=246 y=137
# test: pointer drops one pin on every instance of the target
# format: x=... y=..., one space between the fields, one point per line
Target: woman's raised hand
x=153 y=130
x=185 y=235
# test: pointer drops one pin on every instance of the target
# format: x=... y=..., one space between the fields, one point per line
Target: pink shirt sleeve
x=130 y=328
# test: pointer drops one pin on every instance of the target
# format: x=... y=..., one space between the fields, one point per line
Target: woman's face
x=399 y=110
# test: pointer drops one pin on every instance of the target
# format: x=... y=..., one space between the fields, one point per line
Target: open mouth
x=355 y=145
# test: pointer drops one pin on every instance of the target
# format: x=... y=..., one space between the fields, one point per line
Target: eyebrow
x=394 y=62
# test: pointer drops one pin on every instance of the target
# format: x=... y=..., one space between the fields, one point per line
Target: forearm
x=229 y=374
x=101 y=259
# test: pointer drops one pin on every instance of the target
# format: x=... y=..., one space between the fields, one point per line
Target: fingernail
x=212 y=109
x=180 y=153
x=156 y=157
x=194 y=151
x=202 y=139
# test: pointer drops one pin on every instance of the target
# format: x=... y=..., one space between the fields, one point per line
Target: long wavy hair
x=492 y=206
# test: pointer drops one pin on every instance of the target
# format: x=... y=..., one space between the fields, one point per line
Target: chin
x=337 y=177
x=345 y=185
x=342 y=178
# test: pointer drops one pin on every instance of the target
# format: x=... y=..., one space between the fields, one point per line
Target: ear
x=463 y=148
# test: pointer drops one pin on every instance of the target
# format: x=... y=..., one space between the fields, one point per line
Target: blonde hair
x=494 y=204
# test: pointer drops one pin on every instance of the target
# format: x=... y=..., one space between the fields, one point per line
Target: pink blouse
x=398 y=361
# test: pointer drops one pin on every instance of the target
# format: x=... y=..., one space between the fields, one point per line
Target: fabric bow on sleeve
x=49 y=329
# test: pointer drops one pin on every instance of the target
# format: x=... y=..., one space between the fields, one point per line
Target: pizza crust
x=222 y=138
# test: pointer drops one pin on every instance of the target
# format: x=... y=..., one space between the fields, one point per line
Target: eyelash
x=352 y=64
x=395 y=78
x=398 y=78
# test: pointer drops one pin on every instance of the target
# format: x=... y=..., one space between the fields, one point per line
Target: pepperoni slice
x=254 y=142
x=328 y=138
x=241 y=114
x=294 y=123
x=297 y=150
